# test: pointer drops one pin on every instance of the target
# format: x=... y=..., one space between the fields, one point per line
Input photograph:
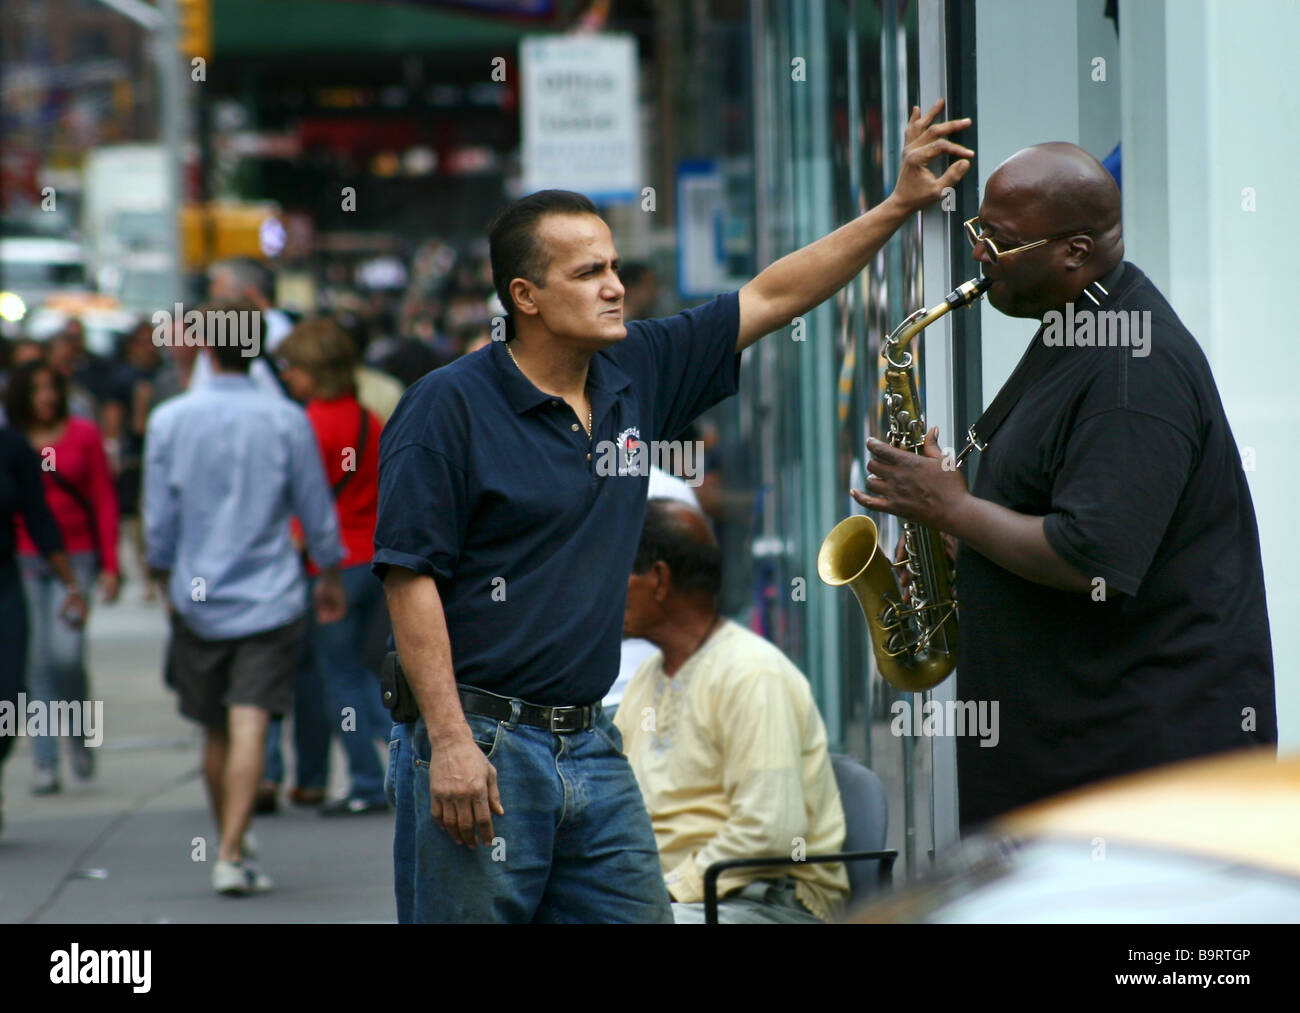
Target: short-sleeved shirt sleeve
x=690 y=356
x=1123 y=474
x=423 y=494
x=424 y=527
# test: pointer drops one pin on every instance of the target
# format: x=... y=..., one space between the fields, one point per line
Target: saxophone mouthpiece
x=968 y=292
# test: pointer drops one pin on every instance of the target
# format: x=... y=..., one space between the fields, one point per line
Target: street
x=124 y=848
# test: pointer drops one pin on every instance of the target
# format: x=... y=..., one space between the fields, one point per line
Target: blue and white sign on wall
x=703 y=267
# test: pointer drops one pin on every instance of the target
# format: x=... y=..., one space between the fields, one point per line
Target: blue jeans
x=333 y=676
x=56 y=667
x=311 y=729
x=575 y=843
x=357 y=711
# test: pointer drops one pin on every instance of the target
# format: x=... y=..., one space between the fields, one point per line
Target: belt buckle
x=558 y=716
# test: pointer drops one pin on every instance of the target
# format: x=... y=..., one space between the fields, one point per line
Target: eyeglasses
x=976 y=236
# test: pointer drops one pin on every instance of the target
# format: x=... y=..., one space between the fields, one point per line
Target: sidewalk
x=120 y=848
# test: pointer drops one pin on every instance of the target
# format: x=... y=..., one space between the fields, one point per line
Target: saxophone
x=915 y=642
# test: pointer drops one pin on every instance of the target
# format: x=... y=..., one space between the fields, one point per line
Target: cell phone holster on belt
x=398 y=697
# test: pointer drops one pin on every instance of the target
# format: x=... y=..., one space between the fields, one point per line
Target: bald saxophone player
x=1109 y=573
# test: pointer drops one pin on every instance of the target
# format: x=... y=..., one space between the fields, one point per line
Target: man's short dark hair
x=512 y=239
x=232 y=356
x=696 y=566
x=249 y=272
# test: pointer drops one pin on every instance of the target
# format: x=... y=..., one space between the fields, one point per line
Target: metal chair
x=866 y=824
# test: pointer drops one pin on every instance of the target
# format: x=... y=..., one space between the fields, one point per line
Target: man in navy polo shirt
x=505 y=539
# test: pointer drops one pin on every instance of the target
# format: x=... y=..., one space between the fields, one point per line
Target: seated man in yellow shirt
x=724 y=738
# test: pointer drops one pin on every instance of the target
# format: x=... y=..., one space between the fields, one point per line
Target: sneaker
x=354 y=807
x=83 y=762
x=238 y=879
x=261 y=882
x=45 y=781
x=230 y=879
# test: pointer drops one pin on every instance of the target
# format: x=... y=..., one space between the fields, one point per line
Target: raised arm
x=804 y=279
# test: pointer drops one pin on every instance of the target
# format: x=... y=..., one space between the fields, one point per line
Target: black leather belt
x=560 y=720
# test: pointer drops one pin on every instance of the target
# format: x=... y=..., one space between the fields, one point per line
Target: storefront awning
x=299 y=27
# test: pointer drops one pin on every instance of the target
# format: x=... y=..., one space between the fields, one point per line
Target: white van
x=35 y=267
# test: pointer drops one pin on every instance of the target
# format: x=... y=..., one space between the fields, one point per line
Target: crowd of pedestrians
x=243 y=476
x=244 y=487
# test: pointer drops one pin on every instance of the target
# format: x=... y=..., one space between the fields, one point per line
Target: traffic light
x=195 y=28
x=220 y=229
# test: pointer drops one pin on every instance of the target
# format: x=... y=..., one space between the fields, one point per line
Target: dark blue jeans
x=311 y=726
x=575 y=843
x=357 y=711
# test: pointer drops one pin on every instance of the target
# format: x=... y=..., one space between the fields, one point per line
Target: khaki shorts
x=215 y=675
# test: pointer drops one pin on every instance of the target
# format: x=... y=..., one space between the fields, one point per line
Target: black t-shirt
x=1131 y=460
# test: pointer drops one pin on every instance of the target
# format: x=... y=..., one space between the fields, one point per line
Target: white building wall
x=1209 y=114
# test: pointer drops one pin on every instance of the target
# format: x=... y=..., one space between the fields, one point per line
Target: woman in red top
x=317 y=363
x=79 y=490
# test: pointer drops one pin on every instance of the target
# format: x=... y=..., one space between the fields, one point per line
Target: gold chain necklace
x=511 y=352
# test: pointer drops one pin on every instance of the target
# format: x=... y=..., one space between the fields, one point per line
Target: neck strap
x=1033 y=365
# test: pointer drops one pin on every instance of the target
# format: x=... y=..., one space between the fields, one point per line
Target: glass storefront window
x=832 y=83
